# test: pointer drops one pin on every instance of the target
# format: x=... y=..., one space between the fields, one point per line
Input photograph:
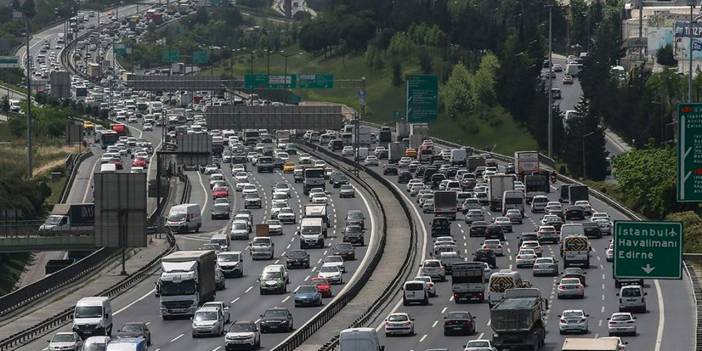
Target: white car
x=347 y=151
x=336 y=261
x=65 y=341
x=495 y=245
x=573 y=321
x=399 y=323
x=287 y=215
x=332 y=273
x=319 y=198
x=431 y=287
x=249 y=189
x=371 y=160
x=609 y=254
x=210 y=169
x=585 y=205
x=479 y=345
x=621 y=323
x=241 y=177
x=533 y=245
x=243 y=333
x=505 y=223
x=404 y=162
x=525 y=258
x=474 y=215
x=282 y=188
x=148 y=127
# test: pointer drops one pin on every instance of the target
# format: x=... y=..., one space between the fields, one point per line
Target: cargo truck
x=445 y=204
x=385 y=135
x=401 y=130
x=497 y=185
x=186 y=282
x=363 y=137
x=318 y=211
x=518 y=320
x=526 y=162
x=468 y=282
x=415 y=141
x=396 y=151
x=577 y=193
x=313 y=178
x=69 y=218
x=535 y=184
x=474 y=162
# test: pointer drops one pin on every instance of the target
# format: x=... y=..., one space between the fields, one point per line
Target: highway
x=139 y=304
x=667 y=301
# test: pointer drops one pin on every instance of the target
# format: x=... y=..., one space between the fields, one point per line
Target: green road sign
x=422 y=98
x=689 y=153
x=201 y=57
x=264 y=81
x=316 y=81
x=648 y=250
x=170 y=56
x=119 y=48
x=9 y=62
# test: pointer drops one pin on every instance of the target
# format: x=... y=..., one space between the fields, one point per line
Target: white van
x=311 y=233
x=184 y=218
x=631 y=298
x=415 y=291
x=222 y=240
x=359 y=339
x=108 y=168
x=93 y=316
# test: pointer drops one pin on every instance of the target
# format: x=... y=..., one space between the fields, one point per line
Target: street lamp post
x=268 y=61
x=285 y=56
x=29 y=98
x=584 y=137
x=550 y=83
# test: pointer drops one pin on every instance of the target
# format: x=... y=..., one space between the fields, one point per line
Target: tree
x=585 y=130
x=397 y=73
x=5 y=104
x=28 y=8
x=425 y=62
x=456 y=96
x=664 y=56
x=484 y=79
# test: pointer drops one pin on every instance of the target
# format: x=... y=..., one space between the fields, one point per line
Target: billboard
x=120 y=209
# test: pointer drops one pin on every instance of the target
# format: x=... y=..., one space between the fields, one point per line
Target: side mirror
x=617 y=294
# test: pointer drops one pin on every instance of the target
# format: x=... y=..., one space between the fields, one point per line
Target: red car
x=220 y=191
x=322 y=285
x=139 y=162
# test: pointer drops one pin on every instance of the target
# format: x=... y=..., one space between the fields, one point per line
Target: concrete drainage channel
x=391 y=287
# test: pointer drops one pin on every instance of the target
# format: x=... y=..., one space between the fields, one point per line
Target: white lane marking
x=661 y=316
x=423 y=338
x=286 y=299
x=147 y=323
x=217 y=348
x=134 y=302
x=443 y=310
x=90 y=179
x=248 y=289
x=602 y=309
x=207 y=195
x=434 y=324
x=176 y=338
x=307 y=278
x=235 y=300
x=296 y=289
x=481 y=335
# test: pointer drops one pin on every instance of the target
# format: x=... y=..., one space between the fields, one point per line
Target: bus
x=501 y=281
x=107 y=138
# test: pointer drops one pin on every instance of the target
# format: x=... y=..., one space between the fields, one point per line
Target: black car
x=478 y=228
x=135 y=329
x=337 y=178
x=297 y=258
x=276 y=319
x=592 y=230
x=436 y=180
x=528 y=236
x=459 y=323
x=353 y=234
x=486 y=255
x=356 y=217
x=494 y=231
x=573 y=213
x=389 y=169
x=345 y=250
x=440 y=226
x=575 y=272
x=404 y=177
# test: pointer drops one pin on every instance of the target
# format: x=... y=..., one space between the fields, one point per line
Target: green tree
x=425 y=62
x=401 y=46
x=397 y=73
x=456 y=96
x=585 y=130
x=664 y=56
x=484 y=79
x=5 y=104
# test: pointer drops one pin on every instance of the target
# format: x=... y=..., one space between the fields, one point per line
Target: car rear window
x=414 y=286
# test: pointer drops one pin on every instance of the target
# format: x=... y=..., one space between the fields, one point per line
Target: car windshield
x=275 y=314
x=240 y=225
x=620 y=317
x=63 y=338
x=205 y=316
x=88 y=312
x=94 y=346
x=228 y=258
x=177 y=216
x=397 y=318
x=329 y=269
x=297 y=253
x=344 y=246
x=242 y=328
x=272 y=275
x=631 y=292
x=572 y=314
x=459 y=315
x=132 y=328
x=478 y=343
x=307 y=289
x=333 y=259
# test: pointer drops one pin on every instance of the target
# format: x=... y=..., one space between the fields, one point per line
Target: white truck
x=186 y=282
x=497 y=185
x=69 y=218
x=458 y=156
x=526 y=162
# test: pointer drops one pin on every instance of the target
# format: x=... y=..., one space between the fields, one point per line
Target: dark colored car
x=574 y=213
x=389 y=170
x=486 y=255
x=478 y=228
x=353 y=234
x=337 y=178
x=356 y=217
x=528 y=237
x=404 y=177
x=440 y=226
x=308 y=295
x=436 y=179
x=136 y=329
x=297 y=258
x=575 y=272
x=276 y=319
x=494 y=231
x=459 y=323
x=345 y=250
x=592 y=230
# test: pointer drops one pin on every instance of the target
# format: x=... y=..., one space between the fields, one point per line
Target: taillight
x=563 y=320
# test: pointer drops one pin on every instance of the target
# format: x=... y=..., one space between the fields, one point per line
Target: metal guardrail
x=72 y=168
x=318 y=321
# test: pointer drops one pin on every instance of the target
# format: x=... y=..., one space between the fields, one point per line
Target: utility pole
x=641 y=30
x=550 y=83
x=689 y=77
x=584 y=137
x=29 y=100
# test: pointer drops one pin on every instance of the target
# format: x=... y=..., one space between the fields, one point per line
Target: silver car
x=474 y=215
x=65 y=341
x=545 y=266
x=573 y=321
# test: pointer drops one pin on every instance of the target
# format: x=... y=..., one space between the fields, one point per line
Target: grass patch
x=56 y=188
x=49 y=154
x=383 y=98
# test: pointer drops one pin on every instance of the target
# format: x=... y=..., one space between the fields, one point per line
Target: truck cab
x=311 y=233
